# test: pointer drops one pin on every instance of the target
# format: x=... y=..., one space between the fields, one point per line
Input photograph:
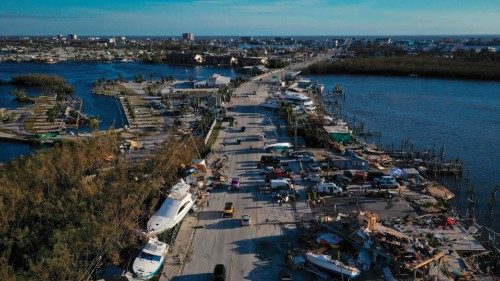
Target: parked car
x=219 y=273
x=314 y=167
x=341 y=179
x=235 y=184
x=266 y=169
x=305 y=158
x=243 y=128
x=228 y=210
x=266 y=160
x=315 y=177
x=245 y=220
x=373 y=174
x=386 y=182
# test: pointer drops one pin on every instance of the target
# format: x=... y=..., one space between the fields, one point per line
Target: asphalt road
x=255 y=252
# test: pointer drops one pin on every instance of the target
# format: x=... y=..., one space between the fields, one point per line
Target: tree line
x=61 y=206
x=429 y=66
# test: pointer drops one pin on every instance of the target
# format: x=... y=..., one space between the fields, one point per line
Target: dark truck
x=267 y=160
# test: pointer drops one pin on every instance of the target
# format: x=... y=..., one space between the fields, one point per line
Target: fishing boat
x=277 y=146
x=150 y=260
x=327 y=263
x=173 y=209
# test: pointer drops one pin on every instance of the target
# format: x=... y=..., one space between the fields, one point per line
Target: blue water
x=462 y=115
x=10 y=150
x=81 y=76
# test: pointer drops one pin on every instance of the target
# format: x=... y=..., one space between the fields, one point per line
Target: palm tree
x=94 y=123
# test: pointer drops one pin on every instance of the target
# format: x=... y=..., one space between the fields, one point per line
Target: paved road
x=253 y=252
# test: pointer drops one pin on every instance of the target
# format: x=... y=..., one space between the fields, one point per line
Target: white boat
x=277 y=146
x=150 y=260
x=173 y=209
x=327 y=263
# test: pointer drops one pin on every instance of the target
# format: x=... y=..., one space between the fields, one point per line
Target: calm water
x=464 y=116
x=81 y=76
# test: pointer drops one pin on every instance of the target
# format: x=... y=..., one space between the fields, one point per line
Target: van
x=219 y=273
x=328 y=187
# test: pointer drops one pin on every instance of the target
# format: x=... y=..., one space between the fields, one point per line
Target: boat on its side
x=150 y=260
x=173 y=210
x=327 y=263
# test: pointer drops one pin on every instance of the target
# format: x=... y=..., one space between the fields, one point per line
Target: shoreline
x=409 y=67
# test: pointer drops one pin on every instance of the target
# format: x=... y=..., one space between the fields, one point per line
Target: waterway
x=81 y=76
x=464 y=116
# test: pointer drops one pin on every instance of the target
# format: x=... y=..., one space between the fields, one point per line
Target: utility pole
x=295 y=132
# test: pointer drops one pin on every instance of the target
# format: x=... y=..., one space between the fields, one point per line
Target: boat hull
x=324 y=264
x=170 y=223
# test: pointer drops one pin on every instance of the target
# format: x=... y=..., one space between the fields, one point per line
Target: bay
x=462 y=115
x=81 y=75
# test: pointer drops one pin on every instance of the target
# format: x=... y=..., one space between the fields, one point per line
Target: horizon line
x=244 y=35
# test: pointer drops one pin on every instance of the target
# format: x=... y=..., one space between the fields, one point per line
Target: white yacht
x=173 y=210
x=150 y=260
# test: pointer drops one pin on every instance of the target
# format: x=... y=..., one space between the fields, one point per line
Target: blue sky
x=257 y=17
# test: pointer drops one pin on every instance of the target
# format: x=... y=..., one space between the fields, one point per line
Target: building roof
x=295 y=96
x=220 y=80
x=336 y=129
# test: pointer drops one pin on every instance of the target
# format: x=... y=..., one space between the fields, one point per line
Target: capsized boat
x=173 y=209
x=150 y=260
x=277 y=146
x=325 y=262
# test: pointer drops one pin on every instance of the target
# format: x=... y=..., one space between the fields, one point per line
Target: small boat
x=277 y=146
x=173 y=209
x=325 y=262
x=150 y=260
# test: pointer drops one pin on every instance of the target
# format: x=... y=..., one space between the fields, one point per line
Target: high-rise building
x=188 y=36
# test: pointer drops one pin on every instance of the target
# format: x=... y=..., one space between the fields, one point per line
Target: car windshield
x=150 y=257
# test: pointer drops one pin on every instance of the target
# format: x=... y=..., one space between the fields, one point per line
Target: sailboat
x=325 y=262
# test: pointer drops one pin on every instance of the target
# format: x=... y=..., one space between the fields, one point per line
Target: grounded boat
x=173 y=210
x=150 y=260
x=277 y=146
x=326 y=263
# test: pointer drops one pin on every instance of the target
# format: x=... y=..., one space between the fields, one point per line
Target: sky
x=249 y=17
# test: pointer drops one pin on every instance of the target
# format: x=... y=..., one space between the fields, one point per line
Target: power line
x=110 y=241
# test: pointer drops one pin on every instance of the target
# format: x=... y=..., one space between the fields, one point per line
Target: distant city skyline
x=255 y=18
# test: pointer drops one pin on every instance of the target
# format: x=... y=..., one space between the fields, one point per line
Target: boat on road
x=178 y=203
x=150 y=260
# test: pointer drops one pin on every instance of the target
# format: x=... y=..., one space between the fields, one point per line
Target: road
x=255 y=252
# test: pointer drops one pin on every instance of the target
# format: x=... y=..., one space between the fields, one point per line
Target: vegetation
x=93 y=123
x=53 y=112
x=62 y=206
x=20 y=95
x=130 y=108
x=430 y=66
x=51 y=85
x=139 y=79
